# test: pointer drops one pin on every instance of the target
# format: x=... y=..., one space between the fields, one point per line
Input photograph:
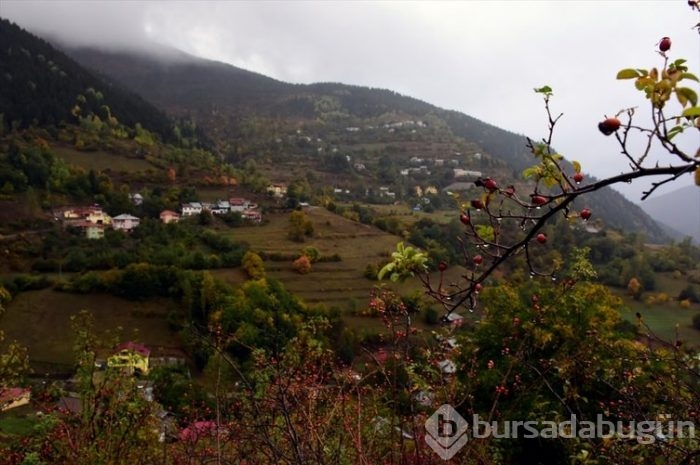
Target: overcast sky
x=481 y=58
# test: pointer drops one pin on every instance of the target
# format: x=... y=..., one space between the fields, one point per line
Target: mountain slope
x=680 y=209
x=250 y=115
x=41 y=85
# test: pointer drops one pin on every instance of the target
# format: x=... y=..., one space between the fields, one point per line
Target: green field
x=19 y=421
x=40 y=320
x=340 y=284
x=100 y=160
x=667 y=321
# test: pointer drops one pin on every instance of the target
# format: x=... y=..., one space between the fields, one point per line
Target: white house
x=237 y=204
x=191 y=208
x=125 y=222
x=462 y=173
x=221 y=207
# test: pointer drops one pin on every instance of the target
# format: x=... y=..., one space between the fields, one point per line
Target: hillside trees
x=253 y=265
x=300 y=226
x=41 y=85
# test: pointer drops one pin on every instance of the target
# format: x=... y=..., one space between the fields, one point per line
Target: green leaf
x=388 y=268
x=691 y=112
x=628 y=73
x=485 y=232
x=577 y=166
x=544 y=90
x=674 y=131
x=690 y=76
x=643 y=82
x=688 y=94
x=531 y=172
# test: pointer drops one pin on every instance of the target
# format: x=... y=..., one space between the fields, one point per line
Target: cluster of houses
x=248 y=210
x=390 y=126
x=93 y=221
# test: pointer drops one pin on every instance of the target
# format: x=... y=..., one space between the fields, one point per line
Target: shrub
x=253 y=265
x=696 y=322
x=302 y=265
x=371 y=271
x=432 y=316
x=300 y=226
x=311 y=252
x=689 y=293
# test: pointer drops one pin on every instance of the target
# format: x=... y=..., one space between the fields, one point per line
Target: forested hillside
x=250 y=116
x=41 y=86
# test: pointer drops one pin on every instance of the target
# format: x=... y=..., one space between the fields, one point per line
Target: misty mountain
x=41 y=85
x=679 y=209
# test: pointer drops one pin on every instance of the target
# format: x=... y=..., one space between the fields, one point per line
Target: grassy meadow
x=41 y=321
x=100 y=160
x=667 y=320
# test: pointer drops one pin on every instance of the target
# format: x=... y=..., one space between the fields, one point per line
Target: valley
x=202 y=264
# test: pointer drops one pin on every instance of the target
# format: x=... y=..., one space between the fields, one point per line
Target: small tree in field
x=300 y=226
x=634 y=288
x=253 y=265
x=302 y=265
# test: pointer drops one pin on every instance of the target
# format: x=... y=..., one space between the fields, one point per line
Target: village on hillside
x=92 y=220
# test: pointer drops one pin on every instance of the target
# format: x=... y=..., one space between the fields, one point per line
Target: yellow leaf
x=577 y=166
x=697 y=176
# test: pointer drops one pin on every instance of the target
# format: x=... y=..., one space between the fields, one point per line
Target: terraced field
x=338 y=283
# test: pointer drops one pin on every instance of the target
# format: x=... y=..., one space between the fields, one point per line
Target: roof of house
x=125 y=217
x=168 y=213
x=134 y=347
x=10 y=394
x=70 y=404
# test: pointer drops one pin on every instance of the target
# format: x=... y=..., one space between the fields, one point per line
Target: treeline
x=182 y=245
x=261 y=313
x=27 y=162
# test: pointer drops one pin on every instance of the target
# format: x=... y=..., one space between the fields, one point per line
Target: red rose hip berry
x=609 y=125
